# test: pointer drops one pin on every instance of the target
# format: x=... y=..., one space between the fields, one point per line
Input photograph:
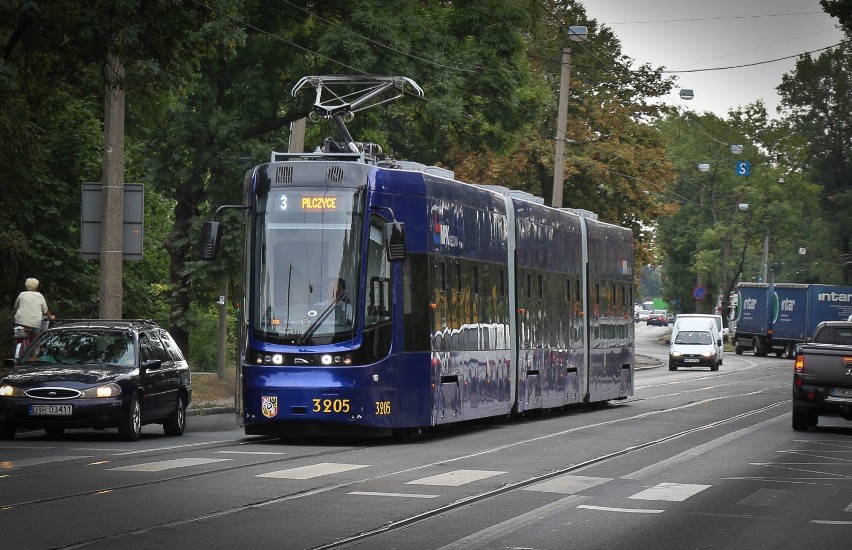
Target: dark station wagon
x=97 y=374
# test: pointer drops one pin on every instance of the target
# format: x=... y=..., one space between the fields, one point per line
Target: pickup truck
x=822 y=379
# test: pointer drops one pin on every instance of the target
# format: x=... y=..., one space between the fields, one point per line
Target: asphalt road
x=695 y=459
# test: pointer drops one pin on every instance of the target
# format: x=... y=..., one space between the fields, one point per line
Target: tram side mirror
x=395 y=241
x=211 y=234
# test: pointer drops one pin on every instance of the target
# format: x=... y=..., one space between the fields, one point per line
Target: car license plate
x=690 y=360
x=841 y=392
x=51 y=410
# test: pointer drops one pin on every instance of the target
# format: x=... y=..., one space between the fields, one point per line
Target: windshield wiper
x=312 y=328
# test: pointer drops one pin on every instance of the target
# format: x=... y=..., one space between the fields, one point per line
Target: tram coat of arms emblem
x=269 y=405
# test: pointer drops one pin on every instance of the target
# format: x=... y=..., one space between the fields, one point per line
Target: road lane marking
x=378 y=494
x=314 y=470
x=625 y=510
x=250 y=453
x=456 y=478
x=700 y=449
x=673 y=492
x=163 y=465
x=766 y=497
x=486 y=538
x=24 y=462
x=830 y=522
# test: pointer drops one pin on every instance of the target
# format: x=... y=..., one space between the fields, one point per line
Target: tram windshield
x=307 y=255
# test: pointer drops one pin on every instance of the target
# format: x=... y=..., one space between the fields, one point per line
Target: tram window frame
x=457 y=275
x=502 y=283
x=442 y=274
x=378 y=302
x=612 y=299
x=597 y=294
x=474 y=283
x=540 y=286
x=529 y=286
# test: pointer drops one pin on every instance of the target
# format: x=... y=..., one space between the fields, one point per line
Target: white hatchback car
x=694 y=348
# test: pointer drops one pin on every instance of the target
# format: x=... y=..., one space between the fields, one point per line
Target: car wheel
x=738 y=350
x=715 y=367
x=131 y=426
x=803 y=419
x=672 y=367
x=790 y=351
x=755 y=347
x=7 y=430
x=175 y=424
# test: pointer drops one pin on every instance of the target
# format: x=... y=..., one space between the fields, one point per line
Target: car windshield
x=693 y=338
x=73 y=347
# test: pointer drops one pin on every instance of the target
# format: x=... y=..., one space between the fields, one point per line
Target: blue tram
x=383 y=295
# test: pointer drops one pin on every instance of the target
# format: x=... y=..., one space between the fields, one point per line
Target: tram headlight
x=326 y=359
x=277 y=359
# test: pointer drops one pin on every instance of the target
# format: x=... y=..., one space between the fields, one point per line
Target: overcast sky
x=701 y=34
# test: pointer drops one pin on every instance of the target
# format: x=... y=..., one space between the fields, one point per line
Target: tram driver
x=339 y=296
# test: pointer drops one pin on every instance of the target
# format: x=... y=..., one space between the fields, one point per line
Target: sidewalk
x=643 y=362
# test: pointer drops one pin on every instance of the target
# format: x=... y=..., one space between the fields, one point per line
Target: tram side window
x=378 y=277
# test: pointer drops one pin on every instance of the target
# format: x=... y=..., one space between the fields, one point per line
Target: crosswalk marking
x=168 y=464
x=674 y=492
x=567 y=484
x=455 y=478
x=314 y=470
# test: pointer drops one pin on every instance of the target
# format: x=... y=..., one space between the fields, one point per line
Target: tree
x=817 y=98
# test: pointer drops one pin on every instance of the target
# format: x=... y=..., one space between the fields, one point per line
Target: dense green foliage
x=208 y=87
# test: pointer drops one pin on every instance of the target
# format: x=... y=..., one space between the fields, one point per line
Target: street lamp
x=576 y=33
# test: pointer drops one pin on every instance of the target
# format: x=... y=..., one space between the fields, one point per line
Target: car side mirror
x=9 y=363
x=668 y=342
x=719 y=342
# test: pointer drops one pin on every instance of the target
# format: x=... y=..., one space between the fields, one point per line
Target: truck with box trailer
x=775 y=317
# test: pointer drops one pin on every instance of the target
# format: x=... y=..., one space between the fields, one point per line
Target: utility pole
x=561 y=125
x=112 y=193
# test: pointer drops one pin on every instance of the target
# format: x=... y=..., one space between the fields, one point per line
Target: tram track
x=437 y=511
x=486 y=495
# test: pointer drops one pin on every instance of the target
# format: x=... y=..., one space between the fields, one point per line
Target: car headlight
x=675 y=354
x=708 y=354
x=109 y=390
x=7 y=390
